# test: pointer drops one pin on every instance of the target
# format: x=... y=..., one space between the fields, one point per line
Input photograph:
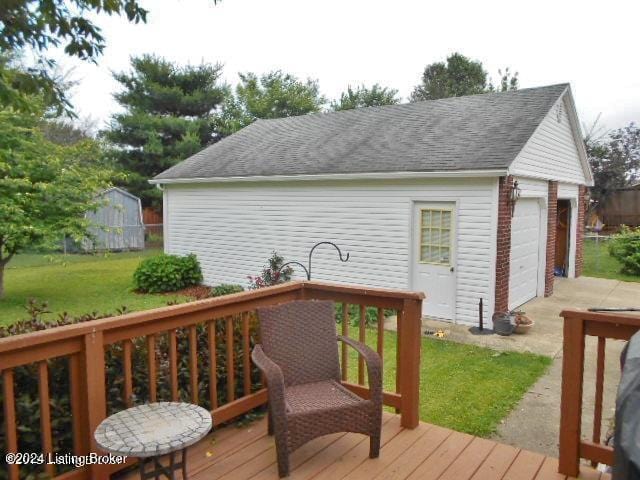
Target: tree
x=63 y=132
x=272 y=95
x=45 y=189
x=169 y=115
x=614 y=160
x=508 y=81
x=366 y=97
x=457 y=77
x=38 y=25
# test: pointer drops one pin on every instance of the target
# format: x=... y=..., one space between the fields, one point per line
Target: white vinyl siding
x=533 y=188
x=234 y=227
x=567 y=190
x=551 y=152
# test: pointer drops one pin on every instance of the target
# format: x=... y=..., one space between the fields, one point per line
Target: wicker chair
x=299 y=358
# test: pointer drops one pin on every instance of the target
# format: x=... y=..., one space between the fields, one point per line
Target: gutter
x=336 y=176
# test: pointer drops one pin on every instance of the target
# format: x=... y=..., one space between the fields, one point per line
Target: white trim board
x=339 y=176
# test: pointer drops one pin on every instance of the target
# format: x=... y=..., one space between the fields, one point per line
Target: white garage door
x=525 y=235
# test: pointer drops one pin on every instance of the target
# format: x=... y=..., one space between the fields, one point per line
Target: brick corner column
x=552 y=218
x=582 y=207
x=503 y=245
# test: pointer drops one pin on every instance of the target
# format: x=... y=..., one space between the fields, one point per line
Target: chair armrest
x=274 y=377
x=374 y=366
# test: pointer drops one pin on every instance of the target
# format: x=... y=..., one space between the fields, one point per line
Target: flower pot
x=523 y=323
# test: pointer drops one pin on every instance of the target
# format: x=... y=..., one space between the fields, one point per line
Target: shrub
x=226 y=289
x=167 y=273
x=625 y=247
x=371 y=315
x=26 y=379
x=272 y=273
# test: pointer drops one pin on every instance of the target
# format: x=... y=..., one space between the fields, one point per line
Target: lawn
x=598 y=262
x=463 y=387
x=76 y=284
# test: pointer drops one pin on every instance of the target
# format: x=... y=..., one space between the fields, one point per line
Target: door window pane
x=435 y=236
x=446 y=219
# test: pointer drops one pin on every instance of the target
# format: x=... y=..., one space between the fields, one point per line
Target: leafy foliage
x=45 y=189
x=226 y=289
x=353 y=312
x=457 y=77
x=167 y=273
x=625 y=247
x=272 y=95
x=168 y=116
x=614 y=160
x=39 y=25
x=26 y=379
x=366 y=97
x=272 y=273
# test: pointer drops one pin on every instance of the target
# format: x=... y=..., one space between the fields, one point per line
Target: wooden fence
x=84 y=345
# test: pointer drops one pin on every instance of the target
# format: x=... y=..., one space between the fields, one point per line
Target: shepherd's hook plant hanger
x=308 y=270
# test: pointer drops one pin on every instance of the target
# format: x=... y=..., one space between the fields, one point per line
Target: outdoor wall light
x=514 y=196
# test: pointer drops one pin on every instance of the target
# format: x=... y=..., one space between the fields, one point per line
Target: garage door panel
x=525 y=238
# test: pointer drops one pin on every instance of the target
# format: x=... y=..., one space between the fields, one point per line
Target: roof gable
x=556 y=150
x=478 y=132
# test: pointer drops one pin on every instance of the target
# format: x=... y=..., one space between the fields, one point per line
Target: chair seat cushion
x=311 y=397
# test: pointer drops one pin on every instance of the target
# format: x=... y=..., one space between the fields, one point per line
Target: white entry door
x=434 y=257
x=525 y=242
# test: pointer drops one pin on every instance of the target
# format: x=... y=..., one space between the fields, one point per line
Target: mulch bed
x=197 y=292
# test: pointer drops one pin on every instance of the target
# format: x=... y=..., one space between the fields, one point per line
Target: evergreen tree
x=168 y=116
x=366 y=97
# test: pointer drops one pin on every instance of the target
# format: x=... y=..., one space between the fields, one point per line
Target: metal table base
x=159 y=469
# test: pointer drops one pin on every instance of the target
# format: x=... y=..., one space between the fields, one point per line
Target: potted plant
x=522 y=323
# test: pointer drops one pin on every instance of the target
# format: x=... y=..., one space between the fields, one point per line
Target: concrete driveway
x=534 y=423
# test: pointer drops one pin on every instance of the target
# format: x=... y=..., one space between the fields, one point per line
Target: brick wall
x=552 y=216
x=503 y=247
x=580 y=229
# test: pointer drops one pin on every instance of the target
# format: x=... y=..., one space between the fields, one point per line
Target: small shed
x=118 y=223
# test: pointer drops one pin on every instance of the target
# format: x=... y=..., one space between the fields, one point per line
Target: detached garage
x=468 y=198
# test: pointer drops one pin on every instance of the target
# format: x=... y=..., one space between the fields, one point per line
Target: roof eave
x=337 y=176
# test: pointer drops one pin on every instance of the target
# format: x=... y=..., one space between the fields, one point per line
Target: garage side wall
x=234 y=228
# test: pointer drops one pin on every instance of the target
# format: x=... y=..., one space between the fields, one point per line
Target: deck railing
x=84 y=346
x=579 y=324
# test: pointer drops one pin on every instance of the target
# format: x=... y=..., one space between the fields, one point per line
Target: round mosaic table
x=152 y=430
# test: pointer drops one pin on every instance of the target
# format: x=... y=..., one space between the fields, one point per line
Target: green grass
x=76 y=284
x=598 y=263
x=463 y=387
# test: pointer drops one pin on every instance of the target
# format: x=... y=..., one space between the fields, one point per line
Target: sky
x=592 y=45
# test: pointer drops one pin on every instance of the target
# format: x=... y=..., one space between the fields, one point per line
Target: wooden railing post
x=571 y=400
x=409 y=362
x=95 y=394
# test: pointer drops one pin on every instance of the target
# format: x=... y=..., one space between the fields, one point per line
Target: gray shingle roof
x=476 y=132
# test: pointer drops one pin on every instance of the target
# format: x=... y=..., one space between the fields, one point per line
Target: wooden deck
x=427 y=452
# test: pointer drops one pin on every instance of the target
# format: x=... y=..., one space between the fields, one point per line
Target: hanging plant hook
x=308 y=270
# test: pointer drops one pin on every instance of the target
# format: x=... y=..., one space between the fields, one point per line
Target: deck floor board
x=426 y=452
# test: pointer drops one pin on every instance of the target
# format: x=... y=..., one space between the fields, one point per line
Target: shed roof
x=477 y=132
